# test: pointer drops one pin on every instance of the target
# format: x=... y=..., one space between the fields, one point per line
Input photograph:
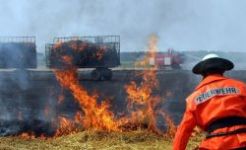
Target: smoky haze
x=180 y=24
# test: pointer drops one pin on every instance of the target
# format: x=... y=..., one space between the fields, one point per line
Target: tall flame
x=141 y=100
x=151 y=53
x=96 y=115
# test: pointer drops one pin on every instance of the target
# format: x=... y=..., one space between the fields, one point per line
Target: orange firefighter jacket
x=215 y=97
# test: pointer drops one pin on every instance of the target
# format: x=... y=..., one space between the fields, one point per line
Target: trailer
x=99 y=52
x=18 y=52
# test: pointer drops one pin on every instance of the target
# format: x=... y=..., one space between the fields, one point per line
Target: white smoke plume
x=180 y=24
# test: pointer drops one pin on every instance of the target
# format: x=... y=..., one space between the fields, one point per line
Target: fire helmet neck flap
x=212 y=62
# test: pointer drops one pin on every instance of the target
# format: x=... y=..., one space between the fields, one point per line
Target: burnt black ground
x=29 y=99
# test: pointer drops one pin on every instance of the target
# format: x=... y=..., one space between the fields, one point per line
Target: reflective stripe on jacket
x=214 y=98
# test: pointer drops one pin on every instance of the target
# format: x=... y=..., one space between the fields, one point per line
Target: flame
x=27 y=136
x=142 y=93
x=151 y=52
x=58 y=45
x=100 y=52
x=66 y=127
x=96 y=115
x=171 y=128
x=67 y=60
x=141 y=100
x=76 y=45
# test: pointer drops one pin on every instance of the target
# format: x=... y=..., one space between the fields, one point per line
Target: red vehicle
x=171 y=59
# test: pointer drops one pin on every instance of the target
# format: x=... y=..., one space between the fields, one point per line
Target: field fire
x=125 y=74
x=142 y=104
x=134 y=109
x=141 y=108
x=143 y=114
x=94 y=118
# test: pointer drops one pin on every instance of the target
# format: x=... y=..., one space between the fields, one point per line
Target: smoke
x=183 y=25
x=179 y=24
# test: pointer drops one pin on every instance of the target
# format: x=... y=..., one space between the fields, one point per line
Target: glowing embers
x=79 y=53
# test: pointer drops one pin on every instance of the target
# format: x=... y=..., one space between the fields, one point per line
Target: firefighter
x=217 y=106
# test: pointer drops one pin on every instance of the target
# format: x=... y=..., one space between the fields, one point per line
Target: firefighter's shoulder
x=190 y=99
x=238 y=84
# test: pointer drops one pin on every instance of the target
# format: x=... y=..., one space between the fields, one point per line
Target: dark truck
x=99 y=52
x=18 y=52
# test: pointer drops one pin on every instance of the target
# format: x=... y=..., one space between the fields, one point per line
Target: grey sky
x=180 y=24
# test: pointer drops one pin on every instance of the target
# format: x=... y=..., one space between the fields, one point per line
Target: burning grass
x=96 y=126
x=93 y=140
x=142 y=105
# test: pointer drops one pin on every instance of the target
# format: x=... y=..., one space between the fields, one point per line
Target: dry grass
x=92 y=140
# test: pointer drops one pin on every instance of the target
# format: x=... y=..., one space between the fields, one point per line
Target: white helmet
x=212 y=62
x=208 y=56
